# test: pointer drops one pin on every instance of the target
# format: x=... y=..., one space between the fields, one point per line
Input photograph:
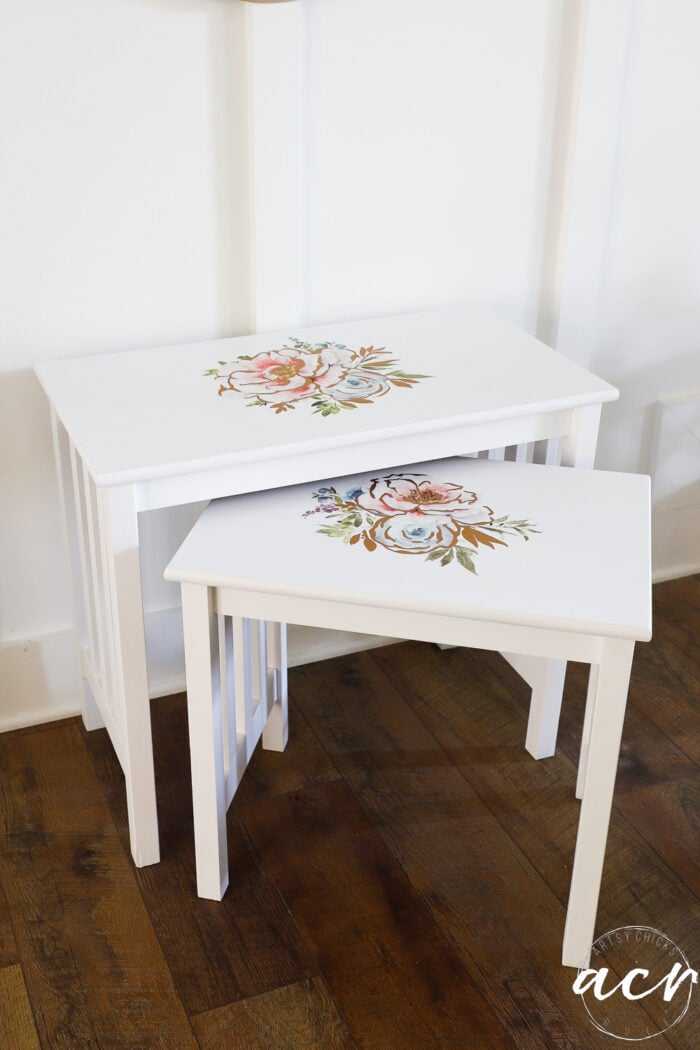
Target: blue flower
x=418 y=533
x=353 y=493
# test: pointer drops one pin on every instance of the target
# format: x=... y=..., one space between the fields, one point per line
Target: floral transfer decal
x=412 y=514
x=329 y=375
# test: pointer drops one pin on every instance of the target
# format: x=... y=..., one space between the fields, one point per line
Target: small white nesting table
x=490 y=555
x=147 y=429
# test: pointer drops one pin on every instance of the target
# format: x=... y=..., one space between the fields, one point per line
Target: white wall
x=124 y=215
x=631 y=308
x=425 y=150
x=425 y=153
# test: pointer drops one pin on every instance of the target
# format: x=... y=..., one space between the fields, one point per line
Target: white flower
x=414 y=533
x=360 y=383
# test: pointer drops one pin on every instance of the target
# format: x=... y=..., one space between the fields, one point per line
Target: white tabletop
x=147 y=414
x=585 y=565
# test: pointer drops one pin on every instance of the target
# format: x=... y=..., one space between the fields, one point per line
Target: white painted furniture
x=145 y=429
x=393 y=552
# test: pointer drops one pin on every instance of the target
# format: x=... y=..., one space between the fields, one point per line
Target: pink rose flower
x=415 y=493
x=286 y=375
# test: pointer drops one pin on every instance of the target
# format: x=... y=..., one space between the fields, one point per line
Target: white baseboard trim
x=40 y=678
x=675 y=536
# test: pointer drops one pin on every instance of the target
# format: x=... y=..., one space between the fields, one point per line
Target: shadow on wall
x=628 y=426
x=33 y=564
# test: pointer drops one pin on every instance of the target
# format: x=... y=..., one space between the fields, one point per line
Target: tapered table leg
x=133 y=714
x=204 y=711
x=611 y=689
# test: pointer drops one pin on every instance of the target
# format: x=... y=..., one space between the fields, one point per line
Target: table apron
x=551 y=643
x=507 y=438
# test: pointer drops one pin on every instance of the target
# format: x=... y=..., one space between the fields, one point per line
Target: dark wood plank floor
x=399 y=875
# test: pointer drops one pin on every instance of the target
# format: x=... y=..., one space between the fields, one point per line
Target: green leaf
x=464 y=557
x=408 y=375
x=351 y=520
x=437 y=553
x=448 y=557
x=333 y=530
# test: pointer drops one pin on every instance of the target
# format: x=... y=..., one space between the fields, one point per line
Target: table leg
x=132 y=715
x=586 y=732
x=204 y=709
x=577 y=449
x=547 y=681
x=611 y=687
x=579 y=445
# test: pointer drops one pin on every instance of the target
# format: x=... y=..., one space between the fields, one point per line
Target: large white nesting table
x=146 y=429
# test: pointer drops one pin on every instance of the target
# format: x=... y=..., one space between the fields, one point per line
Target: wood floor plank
x=90 y=958
x=449 y=842
x=647 y=755
x=472 y=714
x=669 y=664
x=668 y=817
x=393 y=973
x=303 y=764
x=8 y=948
x=17 y=1028
x=218 y=952
x=299 y=1016
x=399 y=875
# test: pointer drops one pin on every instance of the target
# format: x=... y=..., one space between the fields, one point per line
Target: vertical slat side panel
x=242 y=676
x=92 y=718
x=275 y=731
x=88 y=598
x=553 y=454
x=111 y=686
x=99 y=597
x=62 y=458
x=264 y=693
x=225 y=686
x=254 y=647
x=230 y=700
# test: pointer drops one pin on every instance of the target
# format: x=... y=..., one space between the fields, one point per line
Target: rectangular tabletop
x=159 y=413
x=511 y=543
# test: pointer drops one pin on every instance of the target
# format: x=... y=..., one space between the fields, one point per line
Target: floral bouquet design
x=329 y=375
x=412 y=514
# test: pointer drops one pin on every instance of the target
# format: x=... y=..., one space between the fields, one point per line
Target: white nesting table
x=491 y=555
x=147 y=429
